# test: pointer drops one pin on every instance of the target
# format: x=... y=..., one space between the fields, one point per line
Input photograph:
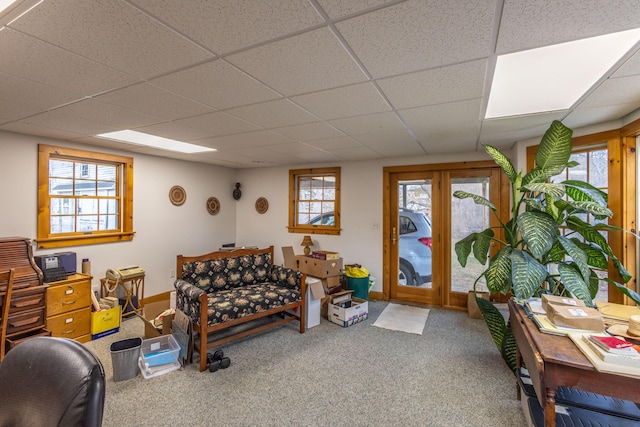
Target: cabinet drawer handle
x=26 y=302
x=24 y=322
x=69 y=332
x=70 y=302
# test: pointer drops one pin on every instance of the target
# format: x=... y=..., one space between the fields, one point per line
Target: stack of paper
x=588 y=349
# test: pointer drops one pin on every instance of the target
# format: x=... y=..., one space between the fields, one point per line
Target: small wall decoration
x=177 y=195
x=213 y=205
x=262 y=205
x=237 y=193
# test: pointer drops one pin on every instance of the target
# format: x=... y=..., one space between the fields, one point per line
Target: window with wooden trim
x=314 y=201
x=83 y=197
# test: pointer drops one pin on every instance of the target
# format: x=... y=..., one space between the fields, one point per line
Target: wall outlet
x=172 y=272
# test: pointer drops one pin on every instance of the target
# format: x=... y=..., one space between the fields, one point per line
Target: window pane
x=598 y=168
x=62 y=224
x=60 y=186
x=87 y=223
x=106 y=188
x=107 y=173
x=85 y=188
x=87 y=206
x=109 y=222
x=61 y=206
x=579 y=172
x=108 y=206
x=61 y=168
x=85 y=170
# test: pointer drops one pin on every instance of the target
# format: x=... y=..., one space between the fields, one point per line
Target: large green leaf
x=539 y=231
x=594 y=284
x=595 y=257
x=509 y=349
x=482 y=245
x=463 y=248
x=575 y=283
x=593 y=208
x=589 y=232
x=477 y=199
x=555 y=148
x=498 y=274
x=537 y=175
x=577 y=255
x=622 y=288
x=494 y=320
x=503 y=161
x=585 y=192
x=554 y=190
x=527 y=274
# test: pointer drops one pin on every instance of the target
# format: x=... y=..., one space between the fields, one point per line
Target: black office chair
x=48 y=381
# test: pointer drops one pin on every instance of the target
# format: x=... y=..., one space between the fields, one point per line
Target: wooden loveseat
x=223 y=289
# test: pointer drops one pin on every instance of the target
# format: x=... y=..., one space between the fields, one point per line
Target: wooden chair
x=5 y=276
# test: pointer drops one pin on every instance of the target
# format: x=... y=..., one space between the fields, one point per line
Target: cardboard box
x=346 y=310
x=315 y=293
x=311 y=266
x=149 y=313
x=105 y=322
x=325 y=255
x=331 y=282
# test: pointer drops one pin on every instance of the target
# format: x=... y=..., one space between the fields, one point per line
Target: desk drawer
x=27 y=299
x=66 y=298
x=25 y=320
x=70 y=325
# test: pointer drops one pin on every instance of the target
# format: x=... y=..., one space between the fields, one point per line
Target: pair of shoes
x=217 y=360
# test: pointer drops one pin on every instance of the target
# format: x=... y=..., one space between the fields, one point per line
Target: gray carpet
x=452 y=375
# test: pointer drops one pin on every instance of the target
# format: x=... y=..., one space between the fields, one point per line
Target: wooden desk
x=555 y=361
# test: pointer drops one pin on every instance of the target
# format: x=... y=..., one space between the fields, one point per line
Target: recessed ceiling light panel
x=147 y=140
x=554 y=77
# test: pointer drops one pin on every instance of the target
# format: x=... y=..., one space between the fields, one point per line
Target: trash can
x=124 y=358
x=360 y=286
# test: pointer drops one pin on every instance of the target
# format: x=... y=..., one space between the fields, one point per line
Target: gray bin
x=124 y=358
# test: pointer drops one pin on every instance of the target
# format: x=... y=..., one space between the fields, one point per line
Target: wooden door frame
x=437 y=271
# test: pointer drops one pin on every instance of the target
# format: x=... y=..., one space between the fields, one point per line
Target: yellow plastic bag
x=355 y=271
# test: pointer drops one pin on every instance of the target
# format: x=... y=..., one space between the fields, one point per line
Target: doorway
x=422 y=223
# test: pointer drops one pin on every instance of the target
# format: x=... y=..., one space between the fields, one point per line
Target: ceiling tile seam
x=490 y=67
x=16 y=12
x=356 y=14
x=366 y=72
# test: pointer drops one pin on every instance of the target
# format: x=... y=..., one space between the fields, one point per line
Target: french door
x=422 y=223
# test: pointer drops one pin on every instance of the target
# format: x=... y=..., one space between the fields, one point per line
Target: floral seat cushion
x=230 y=304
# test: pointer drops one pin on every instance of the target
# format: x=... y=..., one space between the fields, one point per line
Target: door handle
x=394 y=235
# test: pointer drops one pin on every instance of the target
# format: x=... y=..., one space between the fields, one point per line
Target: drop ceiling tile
x=358 y=154
x=338 y=8
x=33 y=94
x=39 y=130
x=526 y=24
x=335 y=144
x=588 y=116
x=622 y=90
x=316 y=157
x=174 y=130
x=462 y=138
x=304 y=63
x=630 y=68
x=100 y=112
x=436 y=86
x=51 y=66
x=227 y=25
x=69 y=123
x=505 y=132
x=368 y=123
x=273 y=114
x=443 y=116
x=309 y=131
x=154 y=101
x=420 y=34
x=217 y=124
x=295 y=148
x=392 y=143
x=216 y=84
x=244 y=140
x=264 y=154
x=347 y=101
x=112 y=33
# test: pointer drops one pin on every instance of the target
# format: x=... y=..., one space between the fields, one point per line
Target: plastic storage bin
x=124 y=358
x=162 y=350
x=359 y=286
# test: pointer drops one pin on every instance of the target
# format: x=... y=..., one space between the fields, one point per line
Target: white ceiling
x=283 y=82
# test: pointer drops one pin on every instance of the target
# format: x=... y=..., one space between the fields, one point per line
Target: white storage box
x=162 y=350
x=155 y=371
x=347 y=310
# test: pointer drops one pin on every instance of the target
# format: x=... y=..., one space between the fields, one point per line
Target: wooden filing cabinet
x=69 y=307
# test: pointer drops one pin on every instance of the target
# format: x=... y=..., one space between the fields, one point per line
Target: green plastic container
x=360 y=286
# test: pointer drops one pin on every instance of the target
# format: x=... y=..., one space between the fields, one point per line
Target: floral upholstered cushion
x=227 y=273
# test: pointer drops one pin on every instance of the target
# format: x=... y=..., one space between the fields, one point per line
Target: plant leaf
x=555 y=148
x=463 y=248
x=536 y=175
x=539 y=231
x=555 y=190
x=533 y=204
x=589 y=233
x=509 y=349
x=482 y=244
x=622 y=288
x=585 y=192
x=594 y=282
x=527 y=274
x=574 y=283
x=593 y=208
x=595 y=257
x=498 y=274
x=578 y=256
x=477 y=199
x=503 y=161
x=494 y=320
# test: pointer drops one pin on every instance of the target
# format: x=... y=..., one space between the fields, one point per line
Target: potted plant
x=545 y=246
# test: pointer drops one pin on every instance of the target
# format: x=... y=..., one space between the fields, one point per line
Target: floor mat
x=405 y=318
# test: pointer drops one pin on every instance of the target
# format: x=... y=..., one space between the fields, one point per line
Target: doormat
x=404 y=318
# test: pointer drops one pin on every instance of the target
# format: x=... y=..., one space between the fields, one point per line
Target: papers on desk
x=617 y=312
x=545 y=325
x=628 y=366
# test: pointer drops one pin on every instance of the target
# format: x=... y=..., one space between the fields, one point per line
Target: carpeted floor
x=451 y=375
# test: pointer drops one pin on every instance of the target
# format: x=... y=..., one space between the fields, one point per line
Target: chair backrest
x=51 y=382
x=5 y=277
